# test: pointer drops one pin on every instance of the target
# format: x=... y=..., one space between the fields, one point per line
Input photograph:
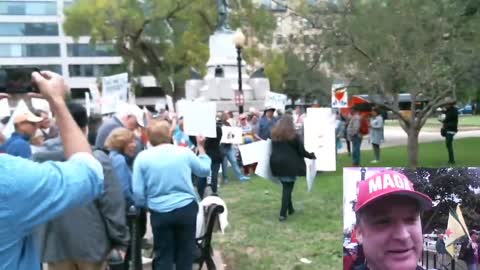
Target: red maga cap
x=388 y=183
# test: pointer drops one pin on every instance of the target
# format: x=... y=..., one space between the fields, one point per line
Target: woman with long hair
x=287 y=160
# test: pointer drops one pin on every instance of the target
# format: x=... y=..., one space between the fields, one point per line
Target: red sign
x=239 y=98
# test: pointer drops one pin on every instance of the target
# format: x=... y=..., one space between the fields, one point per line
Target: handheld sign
x=311 y=173
x=275 y=100
x=250 y=152
x=320 y=138
x=232 y=135
x=4 y=108
x=199 y=119
x=114 y=88
x=339 y=96
x=10 y=128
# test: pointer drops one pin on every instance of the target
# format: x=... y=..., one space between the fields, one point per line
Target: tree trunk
x=412 y=147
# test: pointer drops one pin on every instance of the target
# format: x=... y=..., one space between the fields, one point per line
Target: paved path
x=395 y=136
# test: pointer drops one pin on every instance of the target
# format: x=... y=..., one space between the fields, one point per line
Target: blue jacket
x=32 y=194
x=265 y=127
x=162 y=177
x=17 y=145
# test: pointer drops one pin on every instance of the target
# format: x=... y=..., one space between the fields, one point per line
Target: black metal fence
x=431 y=260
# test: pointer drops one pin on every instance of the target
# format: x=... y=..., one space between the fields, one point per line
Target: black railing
x=430 y=260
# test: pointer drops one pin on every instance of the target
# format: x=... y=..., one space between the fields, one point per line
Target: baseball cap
x=385 y=184
x=27 y=117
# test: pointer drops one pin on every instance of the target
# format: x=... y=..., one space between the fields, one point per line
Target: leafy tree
x=164 y=38
x=447 y=187
x=424 y=48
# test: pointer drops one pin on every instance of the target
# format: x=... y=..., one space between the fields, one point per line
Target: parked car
x=467 y=109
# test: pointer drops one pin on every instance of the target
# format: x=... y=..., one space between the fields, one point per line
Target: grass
x=465 y=122
x=256 y=240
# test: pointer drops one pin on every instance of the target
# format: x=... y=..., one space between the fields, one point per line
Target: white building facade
x=31 y=35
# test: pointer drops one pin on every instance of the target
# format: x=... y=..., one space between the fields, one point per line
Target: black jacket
x=451 y=119
x=287 y=158
x=212 y=146
x=467 y=252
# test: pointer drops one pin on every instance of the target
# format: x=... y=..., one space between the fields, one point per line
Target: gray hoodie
x=90 y=232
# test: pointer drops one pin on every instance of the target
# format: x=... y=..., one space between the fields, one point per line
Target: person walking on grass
x=287 y=160
x=450 y=128
x=376 y=133
x=355 y=136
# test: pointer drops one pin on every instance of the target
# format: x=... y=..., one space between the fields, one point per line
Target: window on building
x=28 y=29
x=95 y=70
x=87 y=50
x=42 y=8
x=29 y=50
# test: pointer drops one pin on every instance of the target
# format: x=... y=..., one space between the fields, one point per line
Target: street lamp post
x=239 y=40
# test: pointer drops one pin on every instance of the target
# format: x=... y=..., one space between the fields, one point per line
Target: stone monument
x=221 y=81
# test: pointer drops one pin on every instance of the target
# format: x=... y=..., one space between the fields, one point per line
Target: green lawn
x=256 y=240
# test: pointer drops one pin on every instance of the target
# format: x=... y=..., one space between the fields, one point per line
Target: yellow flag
x=456 y=229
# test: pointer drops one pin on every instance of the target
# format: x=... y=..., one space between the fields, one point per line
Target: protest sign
x=88 y=104
x=275 y=100
x=199 y=119
x=319 y=137
x=170 y=106
x=232 y=135
x=161 y=104
x=249 y=152
x=263 y=151
x=4 y=108
x=339 y=96
x=114 y=89
x=10 y=128
x=311 y=172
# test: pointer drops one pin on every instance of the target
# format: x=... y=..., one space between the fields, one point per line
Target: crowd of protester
x=69 y=180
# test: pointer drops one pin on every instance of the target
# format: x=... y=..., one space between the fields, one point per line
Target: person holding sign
x=287 y=160
x=162 y=181
x=247 y=137
x=266 y=123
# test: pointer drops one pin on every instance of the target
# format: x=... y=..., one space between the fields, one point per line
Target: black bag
x=443 y=132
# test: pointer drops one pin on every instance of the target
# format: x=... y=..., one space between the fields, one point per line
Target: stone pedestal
x=223 y=56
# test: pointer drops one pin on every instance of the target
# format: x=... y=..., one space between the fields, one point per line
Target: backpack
x=363 y=126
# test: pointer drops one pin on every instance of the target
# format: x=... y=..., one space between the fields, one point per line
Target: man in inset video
x=388 y=224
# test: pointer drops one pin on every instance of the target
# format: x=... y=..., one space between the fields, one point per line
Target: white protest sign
x=114 y=88
x=169 y=99
x=96 y=98
x=161 y=104
x=319 y=137
x=4 y=108
x=88 y=104
x=249 y=152
x=181 y=104
x=263 y=167
x=9 y=128
x=275 y=100
x=40 y=104
x=232 y=135
x=311 y=172
x=199 y=119
x=339 y=96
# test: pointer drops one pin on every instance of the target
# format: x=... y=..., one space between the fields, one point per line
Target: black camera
x=17 y=80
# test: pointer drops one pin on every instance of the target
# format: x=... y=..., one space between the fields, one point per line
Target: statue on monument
x=222 y=6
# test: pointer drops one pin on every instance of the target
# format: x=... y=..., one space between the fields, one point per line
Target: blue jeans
x=356 y=143
x=174 y=237
x=230 y=156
